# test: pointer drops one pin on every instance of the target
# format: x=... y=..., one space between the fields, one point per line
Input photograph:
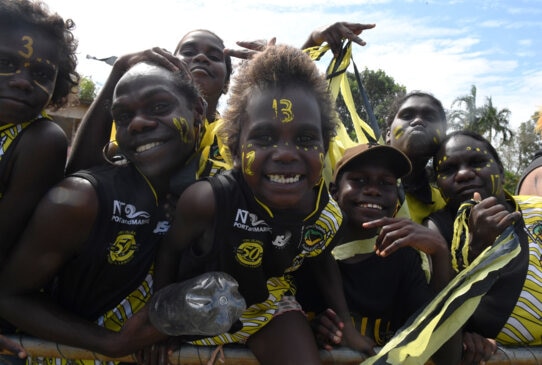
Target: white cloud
x=437 y=50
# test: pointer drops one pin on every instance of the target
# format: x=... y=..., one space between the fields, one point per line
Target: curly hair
x=36 y=14
x=279 y=66
x=398 y=103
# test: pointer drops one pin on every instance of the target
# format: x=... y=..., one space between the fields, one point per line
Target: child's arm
x=334 y=34
x=38 y=164
x=94 y=132
x=61 y=223
x=396 y=233
x=327 y=275
x=192 y=224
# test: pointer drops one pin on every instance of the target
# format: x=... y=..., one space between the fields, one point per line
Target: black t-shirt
x=381 y=293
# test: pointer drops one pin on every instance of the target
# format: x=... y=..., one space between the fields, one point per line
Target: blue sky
x=442 y=47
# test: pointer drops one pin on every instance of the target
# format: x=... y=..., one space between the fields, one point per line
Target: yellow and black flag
x=426 y=331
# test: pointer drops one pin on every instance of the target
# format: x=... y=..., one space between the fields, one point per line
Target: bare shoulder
x=198 y=197
x=72 y=198
x=196 y=207
x=45 y=133
x=532 y=183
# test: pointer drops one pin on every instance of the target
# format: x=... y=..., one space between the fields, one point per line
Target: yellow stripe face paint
x=181 y=124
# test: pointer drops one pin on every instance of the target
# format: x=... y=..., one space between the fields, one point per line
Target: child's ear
x=388 y=135
x=333 y=190
x=236 y=159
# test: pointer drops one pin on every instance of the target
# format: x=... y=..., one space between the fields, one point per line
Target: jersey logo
x=250 y=253
x=125 y=213
x=282 y=240
x=123 y=249
x=249 y=222
x=161 y=227
x=313 y=238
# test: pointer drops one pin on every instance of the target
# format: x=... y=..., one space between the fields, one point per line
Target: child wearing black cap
x=382 y=289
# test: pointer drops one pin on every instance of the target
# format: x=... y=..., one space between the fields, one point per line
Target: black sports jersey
x=252 y=245
x=444 y=220
x=121 y=247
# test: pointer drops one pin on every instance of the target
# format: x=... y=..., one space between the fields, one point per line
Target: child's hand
x=477 y=349
x=13 y=347
x=156 y=55
x=396 y=233
x=353 y=339
x=487 y=220
x=334 y=34
x=251 y=48
x=327 y=329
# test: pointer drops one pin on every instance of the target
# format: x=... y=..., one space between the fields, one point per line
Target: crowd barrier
x=238 y=355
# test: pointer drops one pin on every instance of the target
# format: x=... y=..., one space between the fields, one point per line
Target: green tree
x=518 y=152
x=87 y=90
x=381 y=91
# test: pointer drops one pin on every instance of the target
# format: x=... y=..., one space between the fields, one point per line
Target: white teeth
x=281 y=179
x=147 y=146
x=371 y=206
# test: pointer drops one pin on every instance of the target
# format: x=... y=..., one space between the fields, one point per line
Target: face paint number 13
x=285 y=110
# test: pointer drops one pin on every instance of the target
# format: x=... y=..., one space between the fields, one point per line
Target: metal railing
x=239 y=355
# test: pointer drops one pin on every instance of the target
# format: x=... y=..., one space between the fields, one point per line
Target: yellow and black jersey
x=121 y=248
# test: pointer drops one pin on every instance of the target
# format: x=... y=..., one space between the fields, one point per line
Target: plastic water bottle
x=206 y=305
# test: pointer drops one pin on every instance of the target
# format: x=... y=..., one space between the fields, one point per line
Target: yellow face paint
x=27 y=53
x=398 y=132
x=247 y=159
x=286 y=113
x=181 y=124
x=28 y=47
x=496 y=187
x=42 y=87
x=322 y=158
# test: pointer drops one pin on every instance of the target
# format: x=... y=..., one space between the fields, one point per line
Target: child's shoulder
x=44 y=133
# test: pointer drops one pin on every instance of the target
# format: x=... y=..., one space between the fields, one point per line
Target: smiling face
x=464 y=165
x=366 y=191
x=281 y=147
x=155 y=123
x=203 y=52
x=28 y=72
x=418 y=128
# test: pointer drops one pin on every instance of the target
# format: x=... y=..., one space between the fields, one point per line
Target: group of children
x=182 y=191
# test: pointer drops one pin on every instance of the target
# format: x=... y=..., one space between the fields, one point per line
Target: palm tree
x=495 y=121
x=486 y=120
x=467 y=115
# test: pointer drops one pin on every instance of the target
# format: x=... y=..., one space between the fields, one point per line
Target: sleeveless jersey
x=260 y=249
x=121 y=247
